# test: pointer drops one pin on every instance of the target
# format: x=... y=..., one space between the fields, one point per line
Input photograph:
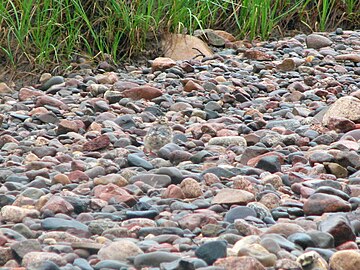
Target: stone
x=111 y=178
x=339 y=227
x=56 y=204
x=239 y=212
x=239 y=263
x=137 y=161
x=320 y=203
x=17 y=214
x=258 y=252
x=98 y=143
x=316 y=41
x=191 y=188
x=228 y=140
x=26 y=246
x=211 y=251
x=285 y=229
x=345 y=260
x=162 y=63
x=33 y=260
x=119 y=250
x=345 y=107
x=233 y=196
x=142 y=92
x=184 y=47
x=154 y=259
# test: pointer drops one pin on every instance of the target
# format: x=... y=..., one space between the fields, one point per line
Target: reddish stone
x=145 y=92
x=252 y=162
x=56 y=204
x=77 y=176
x=197 y=220
x=173 y=191
x=123 y=85
x=193 y=86
x=341 y=124
x=162 y=63
x=4 y=139
x=98 y=143
x=239 y=263
x=347 y=245
x=66 y=126
x=47 y=100
x=257 y=55
x=25 y=94
x=111 y=191
x=320 y=203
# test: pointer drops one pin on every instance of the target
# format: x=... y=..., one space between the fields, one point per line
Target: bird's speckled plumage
x=157 y=136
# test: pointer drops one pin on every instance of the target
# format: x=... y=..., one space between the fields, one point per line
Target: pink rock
x=192 y=86
x=48 y=100
x=77 y=176
x=123 y=85
x=111 y=191
x=257 y=55
x=66 y=126
x=25 y=94
x=173 y=191
x=56 y=204
x=192 y=221
x=98 y=143
x=145 y=92
x=162 y=63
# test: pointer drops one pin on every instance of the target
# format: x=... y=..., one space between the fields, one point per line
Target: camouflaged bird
x=157 y=136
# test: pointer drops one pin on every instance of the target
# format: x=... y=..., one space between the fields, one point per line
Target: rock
x=135 y=160
x=316 y=41
x=260 y=253
x=320 y=203
x=17 y=214
x=33 y=260
x=233 y=196
x=269 y=163
x=184 y=47
x=345 y=259
x=339 y=227
x=348 y=57
x=239 y=212
x=285 y=229
x=211 y=251
x=5 y=89
x=228 y=140
x=119 y=250
x=26 y=246
x=111 y=178
x=239 y=263
x=345 y=107
x=98 y=143
x=62 y=224
x=51 y=82
x=154 y=180
x=162 y=63
x=142 y=92
x=56 y=204
x=154 y=259
x=190 y=188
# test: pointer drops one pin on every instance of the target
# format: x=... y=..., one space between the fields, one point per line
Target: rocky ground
x=262 y=171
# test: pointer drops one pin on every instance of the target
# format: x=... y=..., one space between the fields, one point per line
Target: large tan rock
x=347 y=107
x=184 y=47
x=345 y=260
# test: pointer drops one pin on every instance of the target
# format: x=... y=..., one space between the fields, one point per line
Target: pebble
x=261 y=170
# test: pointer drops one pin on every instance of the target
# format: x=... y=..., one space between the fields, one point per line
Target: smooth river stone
x=233 y=196
x=228 y=140
x=211 y=251
x=119 y=250
x=154 y=180
x=345 y=260
x=62 y=224
x=347 y=107
x=154 y=259
x=320 y=203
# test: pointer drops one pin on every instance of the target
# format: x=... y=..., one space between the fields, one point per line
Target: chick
x=157 y=136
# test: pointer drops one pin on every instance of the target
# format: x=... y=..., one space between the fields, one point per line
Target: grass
x=49 y=32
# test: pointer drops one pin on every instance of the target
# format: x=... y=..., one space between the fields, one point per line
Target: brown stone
x=98 y=143
x=257 y=55
x=347 y=107
x=239 y=263
x=162 y=63
x=145 y=92
x=349 y=57
x=173 y=191
x=191 y=188
x=66 y=126
x=25 y=94
x=112 y=191
x=193 y=86
x=33 y=260
x=119 y=250
x=287 y=64
x=48 y=100
x=285 y=229
x=345 y=260
x=116 y=179
x=320 y=203
x=233 y=196
x=184 y=47
x=17 y=214
x=56 y=204
x=339 y=227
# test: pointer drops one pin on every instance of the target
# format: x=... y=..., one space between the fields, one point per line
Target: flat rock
x=320 y=203
x=233 y=196
x=119 y=250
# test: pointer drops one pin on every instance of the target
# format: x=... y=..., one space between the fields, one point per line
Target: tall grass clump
x=49 y=32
